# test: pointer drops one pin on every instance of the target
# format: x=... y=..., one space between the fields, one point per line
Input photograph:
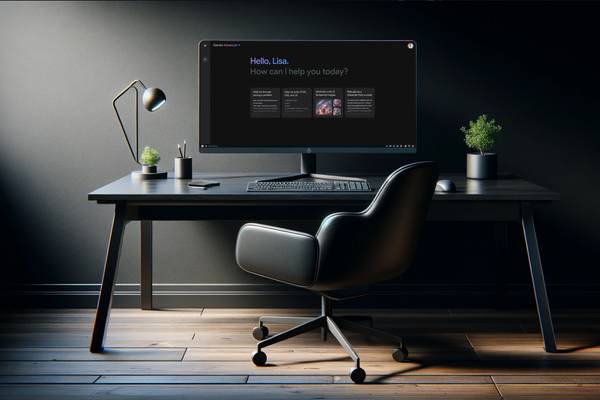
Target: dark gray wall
x=530 y=65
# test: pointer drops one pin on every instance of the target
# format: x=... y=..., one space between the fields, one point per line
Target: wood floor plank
x=401 y=318
x=276 y=367
x=133 y=315
x=396 y=313
x=393 y=320
x=220 y=338
x=54 y=379
x=245 y=392
x=83 y=354
x=191 y=368
x=313 y=339
x=318 y=353
x=57 y=339
x=172 y=379
x=568 y=391
x=290 y=379
x=420 y=379
x=488 y=353
x=556 y=379
x=127 y=328
x=531 y=339
x=583 y=325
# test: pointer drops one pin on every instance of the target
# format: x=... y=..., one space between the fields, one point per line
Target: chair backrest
x=378 y=243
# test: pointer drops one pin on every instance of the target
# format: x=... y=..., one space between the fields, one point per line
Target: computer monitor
x=307 y=97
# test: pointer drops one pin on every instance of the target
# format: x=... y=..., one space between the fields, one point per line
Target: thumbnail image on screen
x=319 y=94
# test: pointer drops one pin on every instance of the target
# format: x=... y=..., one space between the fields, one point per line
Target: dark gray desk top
x=233 y=188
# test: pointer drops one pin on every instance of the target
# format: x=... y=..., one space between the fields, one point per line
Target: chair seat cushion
x=279 y=254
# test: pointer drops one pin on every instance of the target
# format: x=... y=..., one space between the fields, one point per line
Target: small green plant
x=149 y=156
x=481 y=134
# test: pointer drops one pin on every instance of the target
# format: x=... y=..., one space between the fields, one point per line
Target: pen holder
x=183 y=168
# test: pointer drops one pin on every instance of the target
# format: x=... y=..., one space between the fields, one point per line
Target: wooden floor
x=205 y=353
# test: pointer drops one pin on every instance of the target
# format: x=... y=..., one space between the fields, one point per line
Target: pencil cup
x=183 y=168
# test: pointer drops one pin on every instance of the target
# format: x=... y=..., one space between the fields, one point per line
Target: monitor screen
x=308 y=96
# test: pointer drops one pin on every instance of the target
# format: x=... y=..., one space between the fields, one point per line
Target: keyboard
x=309 y=186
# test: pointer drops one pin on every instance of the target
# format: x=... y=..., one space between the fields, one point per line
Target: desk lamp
x=153 y=98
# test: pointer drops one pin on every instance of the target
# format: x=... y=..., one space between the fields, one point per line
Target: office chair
x=350 y=252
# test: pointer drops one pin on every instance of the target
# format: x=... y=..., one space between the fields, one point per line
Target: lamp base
x=148 y=172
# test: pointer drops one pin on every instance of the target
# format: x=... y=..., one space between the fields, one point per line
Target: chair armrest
x=279 y=254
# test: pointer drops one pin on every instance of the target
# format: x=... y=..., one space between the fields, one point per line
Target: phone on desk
x=203 y=184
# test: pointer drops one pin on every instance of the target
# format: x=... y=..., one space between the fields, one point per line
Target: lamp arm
x=134 y=155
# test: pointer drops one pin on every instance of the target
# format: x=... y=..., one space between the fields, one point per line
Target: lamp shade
x=153 y=98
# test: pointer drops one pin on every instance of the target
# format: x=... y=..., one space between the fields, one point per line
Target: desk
x=502 y=200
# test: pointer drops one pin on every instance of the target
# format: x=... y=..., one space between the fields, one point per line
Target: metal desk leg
x=146 y=265
x=108 y=279
x=537 y=277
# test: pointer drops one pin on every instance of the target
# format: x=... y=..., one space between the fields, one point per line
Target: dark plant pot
x=482 y=166
x=149 y=169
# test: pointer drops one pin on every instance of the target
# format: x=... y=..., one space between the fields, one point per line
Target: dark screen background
x=389 y=67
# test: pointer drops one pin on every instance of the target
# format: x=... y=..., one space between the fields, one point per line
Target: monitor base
x=308 y=169
x=312 y=177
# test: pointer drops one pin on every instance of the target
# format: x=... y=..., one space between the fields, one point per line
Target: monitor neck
x=308 y=163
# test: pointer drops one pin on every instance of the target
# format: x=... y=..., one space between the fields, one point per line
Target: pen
x=179 y=148
x=184 y=147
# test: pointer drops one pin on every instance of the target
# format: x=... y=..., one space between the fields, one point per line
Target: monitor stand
x=308 y=169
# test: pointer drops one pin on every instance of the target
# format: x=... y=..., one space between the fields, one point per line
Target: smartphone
x=203 y=183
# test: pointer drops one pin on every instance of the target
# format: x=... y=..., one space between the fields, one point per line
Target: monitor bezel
x=306 y=149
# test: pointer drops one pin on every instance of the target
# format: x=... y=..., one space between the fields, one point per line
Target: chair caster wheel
x=357 y=375
x=400 y=354
x=259 y=358
x=260 y=332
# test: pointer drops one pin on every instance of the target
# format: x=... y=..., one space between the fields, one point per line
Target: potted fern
x=480 y=136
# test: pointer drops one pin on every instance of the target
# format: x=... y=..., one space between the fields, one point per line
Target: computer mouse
x=445 y=185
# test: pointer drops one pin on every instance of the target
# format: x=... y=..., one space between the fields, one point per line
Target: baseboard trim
x=269 y=295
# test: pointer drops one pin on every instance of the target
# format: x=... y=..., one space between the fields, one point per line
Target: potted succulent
x=149 y=159
x=481 y=136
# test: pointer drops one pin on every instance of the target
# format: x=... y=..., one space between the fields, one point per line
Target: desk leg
x=108 y=279
x=537 y=277
x=146 y=265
